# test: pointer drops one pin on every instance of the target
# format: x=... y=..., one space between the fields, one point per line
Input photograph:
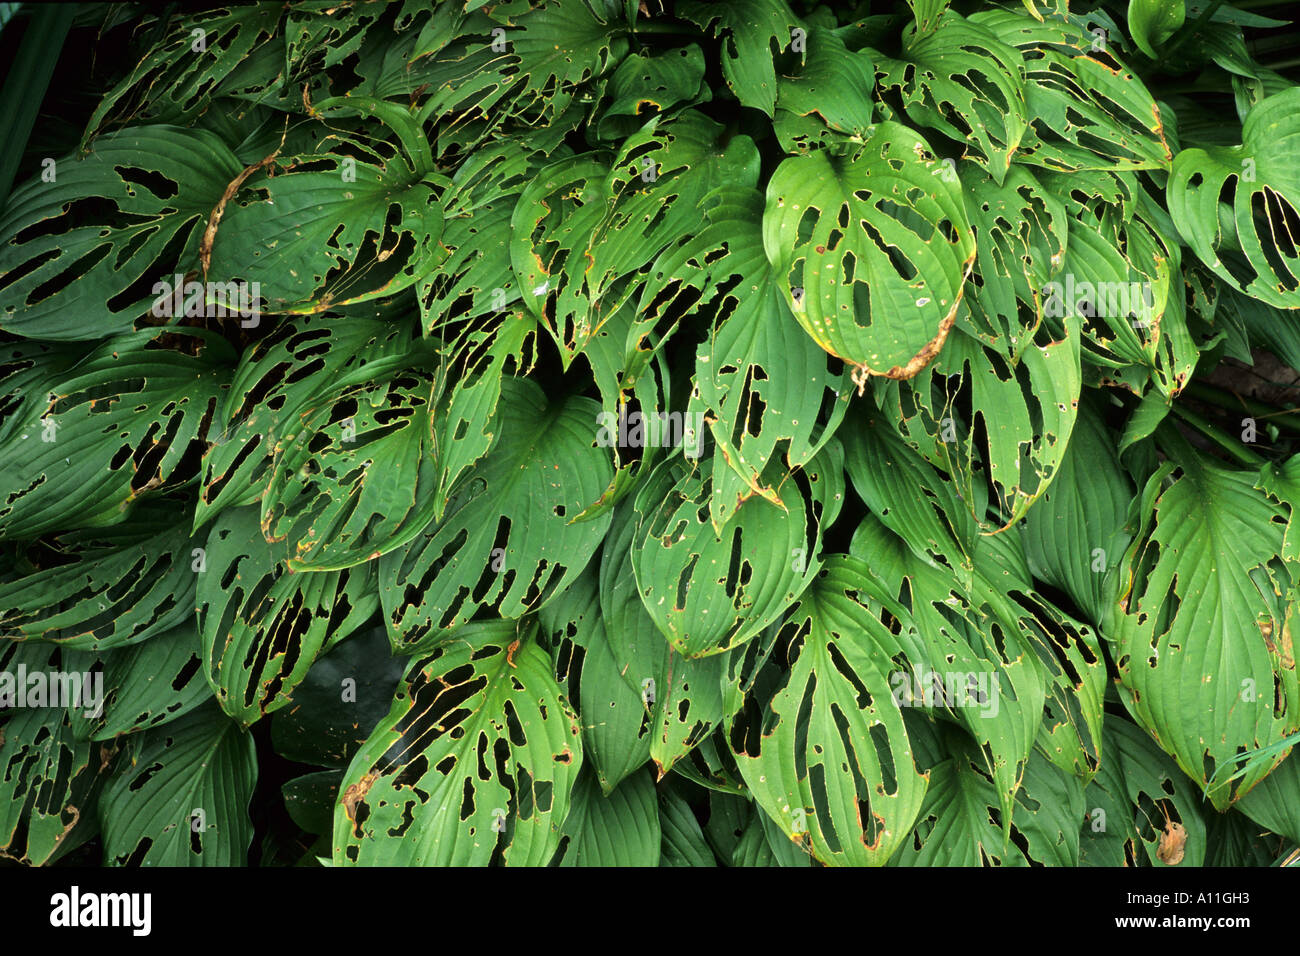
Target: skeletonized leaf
x=119 y=424
x=871 y=249
x=748 y=29
x=262 y=623
x=759 y=380
x=476 y=761
x=49 y=775
x=1202 y=633
x=108 y=588
x=276 y=379
x=831 y=763
x=545 y=468
x=1259 y=225
x=152 y=683
x=1142 y=810
x=708 y=592
x=192 y=64
x=79 y=256
x=356 y=476
x=185 y=800
x=1087 y=108
x=339 y=231
x=960 y=79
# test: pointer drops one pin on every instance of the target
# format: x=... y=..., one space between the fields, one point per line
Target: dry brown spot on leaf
x=219 y=210
x=922 y=358
x=1284 y=648
x=356 y=793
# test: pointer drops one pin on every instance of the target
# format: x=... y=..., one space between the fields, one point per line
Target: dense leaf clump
x=599 y=431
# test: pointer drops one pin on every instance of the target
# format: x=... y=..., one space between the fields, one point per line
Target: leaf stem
x=1238 y=403
x=1243 y=456
x=1193 y=29
x=664 y=29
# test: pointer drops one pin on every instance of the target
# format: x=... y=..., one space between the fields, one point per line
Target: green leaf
x=1233 y=839
x=936 y=524
x=687 y=702
x=310 y=799
x=960 y=79
x=419 y=791
x=763 y=844
x=830 y=95
x=322 y=35
x=551 y=52
x=587 y=232
x=185 y=800
x=1262 y=185
x=1282 y=484
x=647 y=82
x=959 y=824
x=79 y=255
x=96 y=434
x=1075 y=534
x=27 y=81
x=971 y=655
x=332 y=711
x=1144 y=801
x=1152 y=410
x=1152 y=22
x=1134 y=325
x=546 y=466
x=1022 y=415
x=477 y=208
x=615 y=724
x=1271 y=803
x=684 y=699
x=878 y=246
x=927 y=13
x=615 y=829
x=1021 y=231
x=747 y=29
x=109 y=588
x=1049 y=806
x=835 y=714
x=468 y=391
x=638 y=648
x=1201 y=636
x=683 y=839
x=262 y=624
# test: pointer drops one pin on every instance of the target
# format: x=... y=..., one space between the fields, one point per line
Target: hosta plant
x=657 y=433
